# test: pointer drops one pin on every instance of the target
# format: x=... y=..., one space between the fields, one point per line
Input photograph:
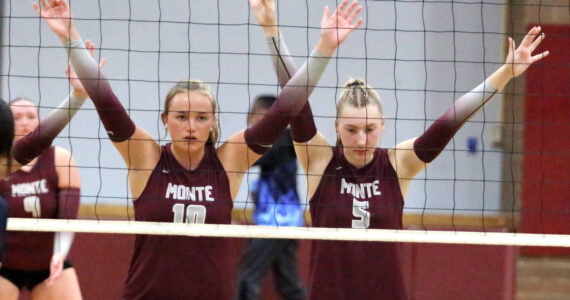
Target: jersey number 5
x=195 y=214
x=360 y=211
x=32 y=205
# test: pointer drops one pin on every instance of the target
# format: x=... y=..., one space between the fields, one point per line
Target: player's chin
x=19 y=135
x=360 y=152
x=189 y=143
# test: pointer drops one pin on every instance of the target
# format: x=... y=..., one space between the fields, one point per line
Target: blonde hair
x=357 y=94
x=199 y=86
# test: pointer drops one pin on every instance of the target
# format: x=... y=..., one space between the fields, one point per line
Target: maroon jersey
x=176 y=267
x=347 y=197
x=31 y=195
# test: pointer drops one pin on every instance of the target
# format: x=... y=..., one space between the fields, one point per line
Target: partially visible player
x=276 y=204
x=357 y=185
x=6 y=140
x=188 y=180
x=46 y=187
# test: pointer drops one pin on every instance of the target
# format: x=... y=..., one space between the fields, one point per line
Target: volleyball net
x=505 y=170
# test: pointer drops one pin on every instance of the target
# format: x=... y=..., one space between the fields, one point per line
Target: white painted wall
x=415 y=58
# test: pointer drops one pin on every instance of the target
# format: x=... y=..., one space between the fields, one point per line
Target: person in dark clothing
x=276 y=204
x=6 y=140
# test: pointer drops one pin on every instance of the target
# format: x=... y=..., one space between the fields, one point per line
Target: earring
x=165 y=126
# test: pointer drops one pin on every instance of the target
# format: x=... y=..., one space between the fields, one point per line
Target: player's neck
x=188 y=157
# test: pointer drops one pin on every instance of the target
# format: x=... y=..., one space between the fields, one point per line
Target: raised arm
x=430 y=144
x=32 y=145
x=303 y=126
x=313 y=150
x=290 y=101
x=265 y=13
x=335 y=29
x=138 y=149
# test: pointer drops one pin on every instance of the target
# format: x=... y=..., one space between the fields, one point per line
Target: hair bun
x=355 y=82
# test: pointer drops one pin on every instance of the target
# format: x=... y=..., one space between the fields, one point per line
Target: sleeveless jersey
x=31 y=195
x=348 y=197
x=176 y=267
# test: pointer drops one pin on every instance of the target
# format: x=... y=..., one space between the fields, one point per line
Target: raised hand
x=519 y=59
x=78 y=89
x=57 y=15
x=337 y=27
x=265 y=13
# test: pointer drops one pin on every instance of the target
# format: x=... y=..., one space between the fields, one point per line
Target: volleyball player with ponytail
x=188 y=180
x=357 y=185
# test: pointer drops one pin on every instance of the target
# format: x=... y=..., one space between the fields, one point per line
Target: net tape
x=270 y=232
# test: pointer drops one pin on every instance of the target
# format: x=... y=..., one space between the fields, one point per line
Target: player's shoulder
x=60 y=151
x=62 y=156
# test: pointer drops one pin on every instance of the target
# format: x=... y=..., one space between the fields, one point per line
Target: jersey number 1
x=360 y=211
x=195 y=214
x=32 y=205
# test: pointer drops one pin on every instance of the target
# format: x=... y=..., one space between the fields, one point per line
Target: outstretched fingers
x=531 y=41
x=340 y=8
x=354 y=14
x=38 y=9
x=539 y=57
x=346 y=12
x=326 y=14
x=356 y=25
x=537 y=42
x=530 y=36
x=64 y=4
x=512 y=47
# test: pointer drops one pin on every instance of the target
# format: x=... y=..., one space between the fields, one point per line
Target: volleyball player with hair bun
x=45 y=187
x=188 y=180
x=357 y=185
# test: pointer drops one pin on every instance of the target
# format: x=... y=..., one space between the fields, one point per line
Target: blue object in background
x=472 y=145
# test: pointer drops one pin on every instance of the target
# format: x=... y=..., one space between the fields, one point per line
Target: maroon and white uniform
x=176 y=267
x=348 y=197
x=31 y=195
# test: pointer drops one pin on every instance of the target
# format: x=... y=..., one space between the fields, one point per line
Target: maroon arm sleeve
x=68 y=203
x=289 y=103
x=33 y=144
x=302 y=125
x=430 y=144
x=115 y=119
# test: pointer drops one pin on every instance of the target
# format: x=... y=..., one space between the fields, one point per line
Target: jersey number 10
x=195 y=214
